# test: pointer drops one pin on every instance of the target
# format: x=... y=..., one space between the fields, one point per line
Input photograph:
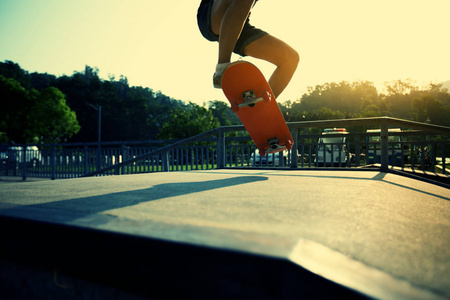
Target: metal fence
x=417 y=148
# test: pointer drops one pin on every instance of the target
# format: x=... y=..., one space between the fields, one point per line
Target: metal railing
x=423 y=148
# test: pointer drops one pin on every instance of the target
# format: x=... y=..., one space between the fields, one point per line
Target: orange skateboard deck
x=252 y=99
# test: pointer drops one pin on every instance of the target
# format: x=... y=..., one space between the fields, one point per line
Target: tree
x=41 y=81
x=402 y=87
x=15 y=113
x=427 y=104
x=128 y=113
x=55 y=121
x=370 y=110
x=342 y=100
x=30 y=116
x=12 y=70
x=222 y=111
x=430 y=110
x=187 y=123
x=325 y=113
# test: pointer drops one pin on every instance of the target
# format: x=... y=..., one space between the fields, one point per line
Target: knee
x=291 y=59
x=294 y=58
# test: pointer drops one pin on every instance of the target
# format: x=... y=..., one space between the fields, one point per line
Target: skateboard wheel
x=267 y=96
x=262 y=152
x=288 y=144
x=234 y=107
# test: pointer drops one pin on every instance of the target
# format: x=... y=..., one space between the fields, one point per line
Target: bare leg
x=279 y=53
x=227 y=20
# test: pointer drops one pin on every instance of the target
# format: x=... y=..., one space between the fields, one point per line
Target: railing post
x=53 y=161
x=86 y=159
x=357 y=152
x=24 y=162
x=125 y=156
x=165 y=161
x=294 y=150
x=433 y=153
x=384 y=147
x=221 y=150
x=99 y=166
x=444 y=158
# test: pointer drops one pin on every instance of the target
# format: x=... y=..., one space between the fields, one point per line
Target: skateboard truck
x=274 y=146
x=250 y=99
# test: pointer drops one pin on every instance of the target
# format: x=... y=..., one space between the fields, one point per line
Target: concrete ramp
x=249 y=234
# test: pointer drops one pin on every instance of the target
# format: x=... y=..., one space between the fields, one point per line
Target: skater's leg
x=284 y=57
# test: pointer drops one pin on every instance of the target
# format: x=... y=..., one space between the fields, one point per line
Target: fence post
x=221 y=150
x=357 y=152
x=86 y=159
x=384 y=147
x=444 y=158
x=294 y=150
x=124 y=156
x=98 y=157
x=24 y=162
x=165 y=161
x=53 y=161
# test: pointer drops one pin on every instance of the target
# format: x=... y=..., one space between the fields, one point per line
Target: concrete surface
x=382 y=234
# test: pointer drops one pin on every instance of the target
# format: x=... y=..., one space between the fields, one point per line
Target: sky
x=156 y=43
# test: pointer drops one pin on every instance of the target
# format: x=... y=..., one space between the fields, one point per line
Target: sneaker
x=217 y=77
x=217 y=80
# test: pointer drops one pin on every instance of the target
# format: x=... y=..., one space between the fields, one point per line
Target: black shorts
x=249 y=33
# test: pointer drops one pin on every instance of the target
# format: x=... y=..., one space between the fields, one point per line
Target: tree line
x=402 y=99
x=127 y=112
x=43 y=108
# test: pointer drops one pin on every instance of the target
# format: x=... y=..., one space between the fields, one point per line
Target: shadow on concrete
x=378 y=177
x=416 y=190
x=72 y=209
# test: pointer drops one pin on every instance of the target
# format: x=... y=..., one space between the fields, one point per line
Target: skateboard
x=252 y=99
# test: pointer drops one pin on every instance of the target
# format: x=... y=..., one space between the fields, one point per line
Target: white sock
x=221 y=67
